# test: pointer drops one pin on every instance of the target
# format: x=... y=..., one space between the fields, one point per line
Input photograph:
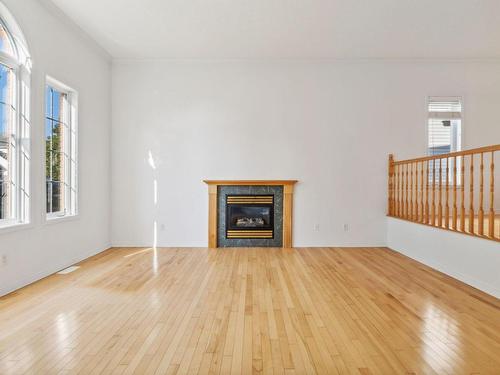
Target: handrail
x=454 y=191
x=452 y=154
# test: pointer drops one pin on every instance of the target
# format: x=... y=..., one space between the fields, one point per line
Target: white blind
x=447 y=108
x=444 y=124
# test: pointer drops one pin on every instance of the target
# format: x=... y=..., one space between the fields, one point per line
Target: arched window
x=15 y=68
x=6 y=42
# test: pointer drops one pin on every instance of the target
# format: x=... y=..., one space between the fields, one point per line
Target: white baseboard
x=344 y=245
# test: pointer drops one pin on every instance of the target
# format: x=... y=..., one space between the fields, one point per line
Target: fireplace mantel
x=288 y=186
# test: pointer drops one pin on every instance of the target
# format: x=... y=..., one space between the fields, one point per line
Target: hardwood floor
x=322 y=310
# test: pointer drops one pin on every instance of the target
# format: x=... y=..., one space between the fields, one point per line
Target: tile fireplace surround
x=281 y=190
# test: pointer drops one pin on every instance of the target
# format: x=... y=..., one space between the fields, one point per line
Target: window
x=6 y=43
x=60 y=150
x=14 y=125
x=444 y=125
x=7 y=143
x=444 y=133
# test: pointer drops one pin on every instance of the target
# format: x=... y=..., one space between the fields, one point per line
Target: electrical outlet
x=3 y=260
x=162 y=227
x=346 y=227
x=316 y=227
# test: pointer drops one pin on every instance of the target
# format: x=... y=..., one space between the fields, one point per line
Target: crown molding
x=82 y=34
x=131 y=60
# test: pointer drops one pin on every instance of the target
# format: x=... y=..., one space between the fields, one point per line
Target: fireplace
x=250 y=216
x=250 y=213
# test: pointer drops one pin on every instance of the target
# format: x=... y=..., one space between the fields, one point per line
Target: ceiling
x=288 y=29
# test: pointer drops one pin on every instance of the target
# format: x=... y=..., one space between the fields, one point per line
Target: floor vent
x=68 y=270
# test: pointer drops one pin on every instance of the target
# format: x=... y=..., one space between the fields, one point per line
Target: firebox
x=249 y=216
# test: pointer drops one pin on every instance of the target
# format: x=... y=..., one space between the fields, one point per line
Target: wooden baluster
x=480 y=213
x=440 y=192
x=395 y=190
x=401 y=192
x=471 y=195
x=462 y=207
x=398 y=188
x=422 y=215
x=426 y=218
x=410 y=190
x=390 y=191
x=393 y=202
x=417 y=195
x=402 y=208
x=455 y=182
x=406 y=193
x=447 y=204
x=491 y=226
x=410 y=207
x=433 y=213
x=413 y=191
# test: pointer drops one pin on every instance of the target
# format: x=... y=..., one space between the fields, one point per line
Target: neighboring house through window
x=60 y=150
x=444 y=130
x=444 y=125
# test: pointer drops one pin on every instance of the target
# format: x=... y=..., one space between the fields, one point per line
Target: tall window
x=8 y=143
x=60 y=150
x=14 y=126
x=444 y=132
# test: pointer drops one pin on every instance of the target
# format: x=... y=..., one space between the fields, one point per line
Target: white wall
x=330 y=125
x=58 y=50
x=472 y=260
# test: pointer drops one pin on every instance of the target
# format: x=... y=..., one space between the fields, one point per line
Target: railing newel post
x=390 y=201
x=455 y=182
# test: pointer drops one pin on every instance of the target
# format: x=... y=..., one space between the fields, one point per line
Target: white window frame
x=71 y=196
x=20 y=164
x=459 y=144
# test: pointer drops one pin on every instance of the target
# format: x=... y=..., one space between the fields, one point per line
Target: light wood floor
x=327 y=311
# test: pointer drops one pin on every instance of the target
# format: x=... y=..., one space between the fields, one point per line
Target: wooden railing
x=454 y=191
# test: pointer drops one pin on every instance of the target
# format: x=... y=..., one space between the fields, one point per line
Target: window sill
x=16 y=227
x=9 y=228
x=61 y=219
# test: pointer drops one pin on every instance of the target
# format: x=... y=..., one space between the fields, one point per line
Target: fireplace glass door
x=250 y=216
